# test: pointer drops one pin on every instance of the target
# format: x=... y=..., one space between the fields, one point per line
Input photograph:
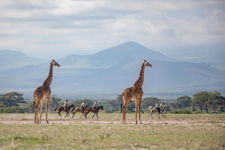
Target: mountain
x=111 y=71
x=212 y=54
x=111 y=56
x=14 y=59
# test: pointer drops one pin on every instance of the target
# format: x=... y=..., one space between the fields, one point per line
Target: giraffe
x=43 y=92
x=134 y=93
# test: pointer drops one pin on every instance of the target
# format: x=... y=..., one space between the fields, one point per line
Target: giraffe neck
x=48 y=81
x=140 y=80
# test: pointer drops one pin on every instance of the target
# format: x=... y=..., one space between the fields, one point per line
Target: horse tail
x=150 y=108
x=55 y=109
x=73 y=109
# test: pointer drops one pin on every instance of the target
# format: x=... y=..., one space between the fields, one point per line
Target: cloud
x=88 y=26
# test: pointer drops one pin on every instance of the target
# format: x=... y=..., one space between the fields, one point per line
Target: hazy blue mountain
x=111 y=71
x=212 y=54
x=111 y=56
x=14 y=59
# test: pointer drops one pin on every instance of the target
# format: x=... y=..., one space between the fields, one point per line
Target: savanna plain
x=177 y=131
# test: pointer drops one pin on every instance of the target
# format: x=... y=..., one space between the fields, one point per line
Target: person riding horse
x=94 y=105
x=82 y=106
x=66 y=106
x=157 y=107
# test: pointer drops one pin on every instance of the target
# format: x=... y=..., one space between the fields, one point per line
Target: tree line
x=14 y=102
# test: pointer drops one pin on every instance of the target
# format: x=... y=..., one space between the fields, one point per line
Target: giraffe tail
x=121 y=104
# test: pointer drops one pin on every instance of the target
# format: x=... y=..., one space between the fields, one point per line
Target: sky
x=55 y=28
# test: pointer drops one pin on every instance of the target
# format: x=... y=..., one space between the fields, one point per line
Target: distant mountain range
x=108 y=72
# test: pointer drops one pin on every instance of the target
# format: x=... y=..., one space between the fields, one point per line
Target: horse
x=77 y=109
x=61 y=108
x=95 y=111
x=154 y=110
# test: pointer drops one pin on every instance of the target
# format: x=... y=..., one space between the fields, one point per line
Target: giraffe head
x=147 y=64
x=55 y=63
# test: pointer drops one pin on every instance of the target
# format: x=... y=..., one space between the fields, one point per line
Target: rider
x=157 y=107
x=95 y=105
x=82 y=106
x=66 y=105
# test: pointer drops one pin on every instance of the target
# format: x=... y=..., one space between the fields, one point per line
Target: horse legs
x=86 y=115
x=59 y=112
x=93 y=115
x=158 y=115
x=97 y=115
x=82 y=115
x=151 y=114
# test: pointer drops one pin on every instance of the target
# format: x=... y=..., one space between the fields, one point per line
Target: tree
x=131 y=106
x=11 y=99
x=149 y=101
x=184 y=101
x=77 y=103
x=54 y=102
x=29 y=107
x=216 y=100
x=201 y=99
x=119 y=98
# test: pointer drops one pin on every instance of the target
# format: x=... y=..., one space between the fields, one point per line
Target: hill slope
x=113 y=70
x=14 y=59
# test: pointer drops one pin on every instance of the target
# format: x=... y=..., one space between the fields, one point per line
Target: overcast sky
x=55 y=28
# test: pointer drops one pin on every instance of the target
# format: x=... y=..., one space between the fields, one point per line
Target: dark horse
x=78 y=109
x=86 y=110
x=95 y=111
x=61 y=108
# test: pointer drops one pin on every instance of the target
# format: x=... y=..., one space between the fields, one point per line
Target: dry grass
x=196 y=132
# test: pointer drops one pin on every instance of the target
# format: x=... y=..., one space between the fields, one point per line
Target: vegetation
x=208 y=101
x=199 y=133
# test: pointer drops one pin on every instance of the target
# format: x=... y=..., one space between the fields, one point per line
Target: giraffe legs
x=136 y=110
x=139 y=111
x=124 y=114
x=41 y=110
x=46 y=109
x=36 y=111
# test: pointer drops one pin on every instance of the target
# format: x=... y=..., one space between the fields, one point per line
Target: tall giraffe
x=43 y=92
x=134 y=93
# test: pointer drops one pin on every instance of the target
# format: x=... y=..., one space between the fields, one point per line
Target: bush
x=181 y=112
x=108 y=111
x=198 y=112
x=14 y=109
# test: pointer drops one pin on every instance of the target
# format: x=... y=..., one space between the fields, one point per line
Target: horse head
x=71 y=105
x=101 y=107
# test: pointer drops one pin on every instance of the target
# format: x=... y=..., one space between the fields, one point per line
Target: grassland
x=177 y=131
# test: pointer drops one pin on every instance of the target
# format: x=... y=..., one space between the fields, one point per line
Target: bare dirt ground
x=116 y=121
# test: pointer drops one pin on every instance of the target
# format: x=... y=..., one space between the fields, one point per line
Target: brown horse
x=154 y=110
x=95 y=111
x=61 y=108
x=86 y=109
